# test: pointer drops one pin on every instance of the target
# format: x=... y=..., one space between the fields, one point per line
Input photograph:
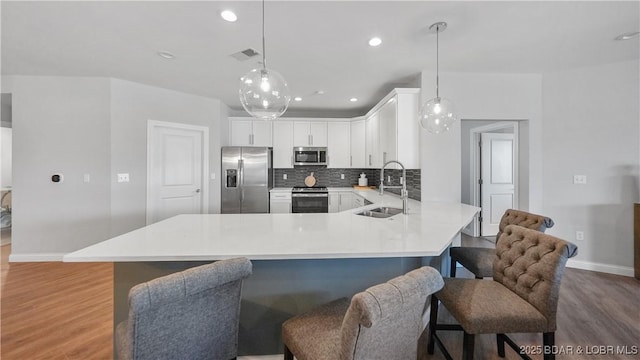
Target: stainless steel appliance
x=309 y=156
x=247 y=178
x=309 y=199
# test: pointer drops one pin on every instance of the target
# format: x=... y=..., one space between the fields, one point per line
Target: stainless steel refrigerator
x=247 y=178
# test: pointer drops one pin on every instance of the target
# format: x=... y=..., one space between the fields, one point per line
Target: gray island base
x=277 y=290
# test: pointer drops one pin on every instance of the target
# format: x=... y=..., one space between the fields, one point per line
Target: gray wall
x=60 y=125
x=94 y=126
x=591 y=127
x=132 y=105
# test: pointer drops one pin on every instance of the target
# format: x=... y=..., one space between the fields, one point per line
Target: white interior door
x=498 y=179
x=177 y=162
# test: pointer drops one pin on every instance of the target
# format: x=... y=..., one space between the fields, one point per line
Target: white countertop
x=427 y=230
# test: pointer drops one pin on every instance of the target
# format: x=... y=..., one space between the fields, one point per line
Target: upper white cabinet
x=338 y=144
x=282 y=144
x=389 y=131
x=358 y=151
x=388 y=134
x=393 y=132
x=245 y=132
x=372 y=141
x=310 y=133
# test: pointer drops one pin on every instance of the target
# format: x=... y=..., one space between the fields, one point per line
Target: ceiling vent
x=245 y=54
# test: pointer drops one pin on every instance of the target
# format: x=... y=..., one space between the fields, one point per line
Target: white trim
x=36 y=257
x=605 y=268
x=474 y=168
x=151 y=124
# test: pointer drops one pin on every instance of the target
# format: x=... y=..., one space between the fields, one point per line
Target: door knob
x=197 y=190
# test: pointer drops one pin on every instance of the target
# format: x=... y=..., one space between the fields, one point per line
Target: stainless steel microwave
x=309 y=156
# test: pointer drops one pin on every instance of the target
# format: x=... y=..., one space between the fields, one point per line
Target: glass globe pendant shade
x=264 y=94
x=436 y=115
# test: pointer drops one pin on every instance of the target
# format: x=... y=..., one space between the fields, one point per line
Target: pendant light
x=436 y=115
x=264 y=93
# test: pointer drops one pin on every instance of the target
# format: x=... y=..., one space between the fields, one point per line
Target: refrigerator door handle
x=241 y=171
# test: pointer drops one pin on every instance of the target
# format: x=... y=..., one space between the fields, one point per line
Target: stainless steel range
x=310 y=199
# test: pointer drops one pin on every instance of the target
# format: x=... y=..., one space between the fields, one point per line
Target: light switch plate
x=579 y=179
x=122 y=178
x=284 y=176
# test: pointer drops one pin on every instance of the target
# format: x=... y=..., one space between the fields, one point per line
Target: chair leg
x=452 y=271
x=500 y=342
x=433 y=321
x=468 y=343
x=287 y=353
x=548 y=342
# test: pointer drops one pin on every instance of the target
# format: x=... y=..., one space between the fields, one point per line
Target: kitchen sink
x=387 y=210
x=380 y=213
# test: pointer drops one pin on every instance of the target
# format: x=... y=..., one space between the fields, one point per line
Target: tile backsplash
x=332 y=178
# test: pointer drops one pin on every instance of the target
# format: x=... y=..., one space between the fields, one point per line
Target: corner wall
x=592 y=125
x=479 y=97
x=132 y=105
x=60 y=125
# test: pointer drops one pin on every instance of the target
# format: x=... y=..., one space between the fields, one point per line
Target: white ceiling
x=316 y=45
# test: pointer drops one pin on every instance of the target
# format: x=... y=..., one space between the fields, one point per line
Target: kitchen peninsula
x=299 y=260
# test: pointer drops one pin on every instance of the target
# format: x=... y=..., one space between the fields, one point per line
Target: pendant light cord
x=264 y=55
x=437 y=61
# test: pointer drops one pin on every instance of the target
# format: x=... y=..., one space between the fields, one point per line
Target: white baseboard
x=605 y=268
x=36 y=257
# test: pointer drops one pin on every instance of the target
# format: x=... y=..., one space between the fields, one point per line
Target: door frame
x=204 y=130
x=475 y=166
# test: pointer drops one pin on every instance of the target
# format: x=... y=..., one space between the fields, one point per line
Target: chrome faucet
x=404 y=194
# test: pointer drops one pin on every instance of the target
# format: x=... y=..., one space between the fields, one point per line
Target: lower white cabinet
x=357 y=201
x=340 y=201
x=280 y=202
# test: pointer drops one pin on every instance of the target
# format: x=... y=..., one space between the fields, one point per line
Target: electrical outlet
x=388 y=178
x=213 y=176
x=401 y=180
x=122 y=178
x=579 y=179
x=86 y=178
x=342 y=176
x=284 y=176
x=579 y=235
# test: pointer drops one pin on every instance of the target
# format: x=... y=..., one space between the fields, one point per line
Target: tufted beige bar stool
x=521 y=298
x=480 y=260
x=381 y=323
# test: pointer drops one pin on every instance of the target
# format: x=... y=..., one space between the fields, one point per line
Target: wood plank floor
x=64 y=311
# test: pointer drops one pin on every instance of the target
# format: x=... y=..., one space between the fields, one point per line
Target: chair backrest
x=385 y=321
x=192 y=314
x=524 y=219
x=531 y=264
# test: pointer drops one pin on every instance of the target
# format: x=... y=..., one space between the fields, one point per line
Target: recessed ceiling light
x=627 y=36
x=353 y=99
x=297 y=98
x=166 y=55
x=375 y=41
x=229 y=15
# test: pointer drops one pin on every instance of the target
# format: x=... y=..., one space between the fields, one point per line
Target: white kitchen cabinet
x=392 y=131
x=372 y=143
x=358 y=151
x=280 y=202
x=388 y=134
x=340 y=201
x=245 y=132
x=310 y=133
x=282 y=144
x=338 y=145
x=357 y=201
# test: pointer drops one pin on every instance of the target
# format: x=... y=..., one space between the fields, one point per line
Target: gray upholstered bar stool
x=381 y=323
x=191 y=315
x=479 y=260
x=521 y=298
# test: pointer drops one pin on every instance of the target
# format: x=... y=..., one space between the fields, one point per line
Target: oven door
x=310 y=203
